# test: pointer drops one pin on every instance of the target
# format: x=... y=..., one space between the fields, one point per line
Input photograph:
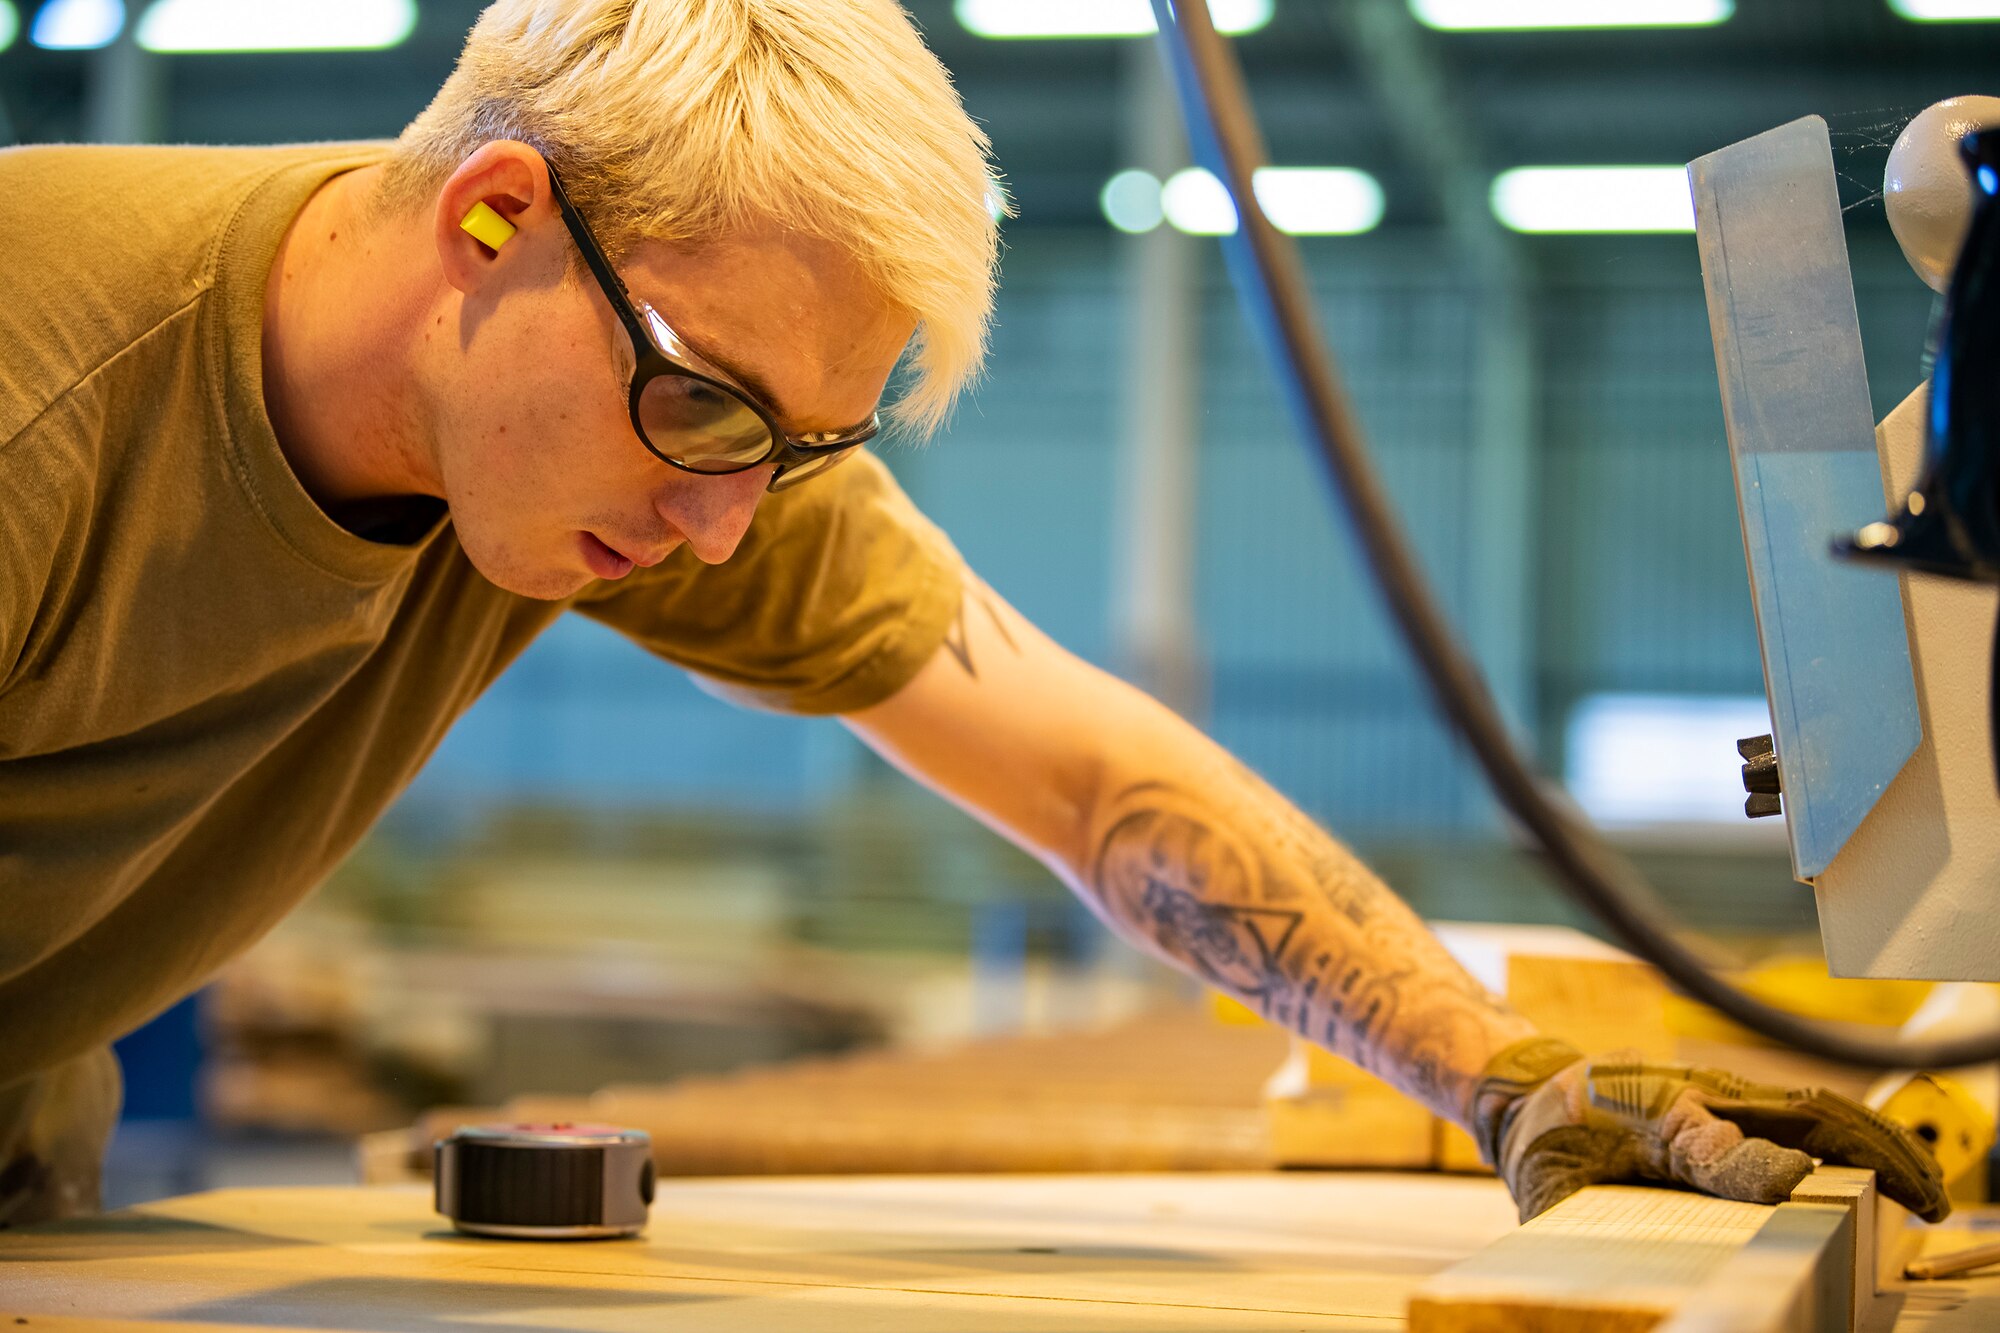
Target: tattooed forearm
x=1243 y=890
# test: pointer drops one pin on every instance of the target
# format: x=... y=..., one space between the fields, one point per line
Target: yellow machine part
x=1940 y=1110
x=1800 y=984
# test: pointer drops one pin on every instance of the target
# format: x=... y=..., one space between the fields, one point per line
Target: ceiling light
x=1947 y=11
x=267 y=25
x=1319 y=201
x=1196 y=203
x=10 y=23
x=1501 y=15
x=1594 y=199
x=1131 y=202
x=78 y=25
x=1303 y=201
x=1008 y=19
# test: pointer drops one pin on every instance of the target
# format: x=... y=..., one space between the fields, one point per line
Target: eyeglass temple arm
x=600 y=265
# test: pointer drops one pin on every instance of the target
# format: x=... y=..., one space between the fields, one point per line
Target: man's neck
x=346 y=296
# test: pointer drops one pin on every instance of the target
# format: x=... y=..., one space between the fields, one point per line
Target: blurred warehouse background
x=606 y=874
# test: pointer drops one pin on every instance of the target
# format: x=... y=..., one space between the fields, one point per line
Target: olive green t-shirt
x=208 y=689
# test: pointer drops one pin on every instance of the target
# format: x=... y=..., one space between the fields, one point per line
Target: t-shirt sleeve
x=839 y=593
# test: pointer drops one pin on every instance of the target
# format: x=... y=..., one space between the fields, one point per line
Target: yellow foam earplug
x=488 y=227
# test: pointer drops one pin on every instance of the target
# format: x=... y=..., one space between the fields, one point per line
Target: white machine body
x=1915 y=893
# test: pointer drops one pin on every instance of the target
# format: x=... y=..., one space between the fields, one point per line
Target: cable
x=1270 y=282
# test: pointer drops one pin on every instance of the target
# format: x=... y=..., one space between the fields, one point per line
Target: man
x=300 y=447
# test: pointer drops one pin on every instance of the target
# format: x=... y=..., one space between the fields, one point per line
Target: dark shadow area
x=1883 y=1314
x=1049 y=1258
x=431 y=1230
x=128 y=1236
x=420 y=1305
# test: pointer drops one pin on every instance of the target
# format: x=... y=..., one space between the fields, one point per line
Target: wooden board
x=993 y=1254
x=1173 y=1091
x=1795 y=1276
x=988 y=1254
x=1613 y=1259
x=1877 y=1256
x=1627 y=1258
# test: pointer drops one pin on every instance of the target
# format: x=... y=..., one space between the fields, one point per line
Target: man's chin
x=541 y=583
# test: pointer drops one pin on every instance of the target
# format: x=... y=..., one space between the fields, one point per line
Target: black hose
x=1270 y=282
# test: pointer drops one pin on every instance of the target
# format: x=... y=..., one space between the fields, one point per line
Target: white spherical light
x=1926 y=190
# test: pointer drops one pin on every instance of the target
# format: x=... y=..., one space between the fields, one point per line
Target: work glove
x=1550 y=1122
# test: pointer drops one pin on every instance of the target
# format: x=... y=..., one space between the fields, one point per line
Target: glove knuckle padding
x=1551 y=1127
x=1838 y=1129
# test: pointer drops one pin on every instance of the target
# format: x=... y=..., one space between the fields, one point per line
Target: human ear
x=497 y=193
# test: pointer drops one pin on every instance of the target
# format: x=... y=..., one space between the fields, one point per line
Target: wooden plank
x=1269 y=1253
x=996 y=1254
x=1851 y=1189
x=1610 y=1259
x=1169 y=1092
x=1634 y=1258
x=1795 y=1275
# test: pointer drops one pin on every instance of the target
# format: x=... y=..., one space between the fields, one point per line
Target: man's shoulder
x=161 y=197
x=836 y=597
x=105 y=243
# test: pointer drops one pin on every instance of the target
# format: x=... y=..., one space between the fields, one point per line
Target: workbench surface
x=986 y=1254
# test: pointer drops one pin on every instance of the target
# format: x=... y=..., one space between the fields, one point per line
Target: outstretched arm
x=1185 y=851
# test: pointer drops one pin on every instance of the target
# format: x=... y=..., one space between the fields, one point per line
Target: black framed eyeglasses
x=693 y=419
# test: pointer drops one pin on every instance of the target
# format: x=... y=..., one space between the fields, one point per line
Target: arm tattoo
x=958 y=639
x=1245 y=892
x=959 y=643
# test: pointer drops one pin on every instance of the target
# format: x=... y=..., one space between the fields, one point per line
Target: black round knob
x=545 y=1182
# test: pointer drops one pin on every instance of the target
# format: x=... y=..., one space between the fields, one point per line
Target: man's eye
x=684 y=413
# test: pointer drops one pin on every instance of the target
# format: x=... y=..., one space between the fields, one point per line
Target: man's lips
x=602 y=560
x=615 y=562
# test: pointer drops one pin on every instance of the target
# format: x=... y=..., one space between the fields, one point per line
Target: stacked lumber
x=1173 y=1091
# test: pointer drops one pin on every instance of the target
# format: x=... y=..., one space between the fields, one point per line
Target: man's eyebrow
x=749 y=380
x=759 y=388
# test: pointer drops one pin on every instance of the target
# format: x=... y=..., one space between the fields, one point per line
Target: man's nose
x=713 y=513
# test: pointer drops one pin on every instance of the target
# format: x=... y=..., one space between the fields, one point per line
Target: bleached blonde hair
x=681 y=120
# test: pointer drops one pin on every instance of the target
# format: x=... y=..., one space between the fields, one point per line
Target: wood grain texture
x=994 y=1254
x=1610 y=1259
x=1627 y=1258
x=1795 y=1275
x=1853 y=1189
x=1175 y=1091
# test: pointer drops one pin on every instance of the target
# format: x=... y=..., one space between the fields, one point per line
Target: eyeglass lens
x=702 y=426
x=811 y=467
